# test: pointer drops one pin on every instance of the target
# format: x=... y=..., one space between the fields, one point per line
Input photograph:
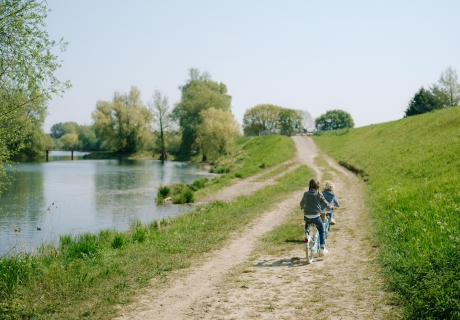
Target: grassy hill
x=412 y=169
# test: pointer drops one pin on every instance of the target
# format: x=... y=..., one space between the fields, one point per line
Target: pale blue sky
x=365 y=57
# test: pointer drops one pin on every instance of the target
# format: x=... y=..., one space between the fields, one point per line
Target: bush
x=189 y=196
x=164 y=191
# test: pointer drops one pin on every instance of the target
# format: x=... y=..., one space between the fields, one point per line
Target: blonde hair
x=328 y=185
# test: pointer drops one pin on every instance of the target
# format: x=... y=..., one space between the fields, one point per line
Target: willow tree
x=198 y=94
x=123 y=124
x=216 y=132
x=27 y=67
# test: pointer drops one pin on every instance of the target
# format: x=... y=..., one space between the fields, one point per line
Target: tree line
x=272 y=118
x=444 y=94
x=202 y=121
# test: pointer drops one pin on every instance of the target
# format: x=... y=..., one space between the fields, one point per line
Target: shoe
x=332 y=221
x=323 y=252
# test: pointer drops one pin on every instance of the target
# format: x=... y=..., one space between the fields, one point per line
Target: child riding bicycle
x=311 y=205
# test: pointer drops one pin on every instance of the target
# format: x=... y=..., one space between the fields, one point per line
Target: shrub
x=164 y=191
x=189 y=196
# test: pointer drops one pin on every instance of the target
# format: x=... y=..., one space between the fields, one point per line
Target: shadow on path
x=287 y=262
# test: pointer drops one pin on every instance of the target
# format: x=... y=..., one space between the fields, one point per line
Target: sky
x=365 y=57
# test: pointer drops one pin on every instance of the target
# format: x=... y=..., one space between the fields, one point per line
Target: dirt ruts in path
x=344 y=285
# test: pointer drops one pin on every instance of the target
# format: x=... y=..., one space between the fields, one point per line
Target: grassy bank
x=411 y=167
x=88 y=275
x=249 y=156
x=117 y=155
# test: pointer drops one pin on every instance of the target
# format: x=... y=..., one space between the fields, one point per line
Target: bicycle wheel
x=310 y=243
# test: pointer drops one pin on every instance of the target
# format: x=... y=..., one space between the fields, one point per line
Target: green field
x=412 y=169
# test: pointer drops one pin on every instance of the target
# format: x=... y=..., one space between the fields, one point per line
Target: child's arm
x=330 y=206
x=302 y=202
x=336 y=202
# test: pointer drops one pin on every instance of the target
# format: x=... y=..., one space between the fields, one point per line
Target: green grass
x=273 y=173
x=92 y=273
x=249 y=156
x=412 y=171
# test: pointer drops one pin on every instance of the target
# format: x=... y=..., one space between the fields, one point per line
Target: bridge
x=71 y=154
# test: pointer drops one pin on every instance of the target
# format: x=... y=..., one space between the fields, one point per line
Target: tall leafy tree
x=87 y=138
x=448 y=82
x=198 y=94
x=123 y=124
x=216 y=132
x=263 y=117
x=159 y=106
x=27 y=72
x=335 y=119
x=422 y=102
x=69 y=141
x=289 y=120
x=307 y=119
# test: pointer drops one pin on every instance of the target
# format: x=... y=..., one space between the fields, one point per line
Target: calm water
x=70 y=197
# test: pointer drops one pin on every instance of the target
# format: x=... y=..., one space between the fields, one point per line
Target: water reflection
x=60 y=197
x=21 y=208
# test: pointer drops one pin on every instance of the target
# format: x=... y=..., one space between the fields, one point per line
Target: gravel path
x=229 y=284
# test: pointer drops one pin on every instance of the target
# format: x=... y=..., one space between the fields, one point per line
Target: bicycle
x=312 y=237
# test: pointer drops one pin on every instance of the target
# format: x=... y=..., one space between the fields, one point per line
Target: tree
x=57 y=130
x=198 y=94
x=69 y=141
x=27 y=68
x=448 y=82
x=124 y=124
x=263 y=117
x=307 y=119
x=422 y=102
x=335 y=119
x=87 y=138
x=289 y=120
x=159 y=107
x=216 y=132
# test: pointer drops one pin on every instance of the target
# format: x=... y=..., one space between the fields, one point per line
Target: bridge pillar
x=47 y=155
x=71 y=156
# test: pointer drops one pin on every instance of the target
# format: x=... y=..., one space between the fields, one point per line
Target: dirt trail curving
x=236 y=283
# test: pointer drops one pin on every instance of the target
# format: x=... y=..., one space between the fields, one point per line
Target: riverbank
x=141 y=155
x=90 y=273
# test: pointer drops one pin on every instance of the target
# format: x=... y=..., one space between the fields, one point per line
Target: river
x=64 y=196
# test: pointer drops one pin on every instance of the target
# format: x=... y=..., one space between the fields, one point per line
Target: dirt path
x=238 y=283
